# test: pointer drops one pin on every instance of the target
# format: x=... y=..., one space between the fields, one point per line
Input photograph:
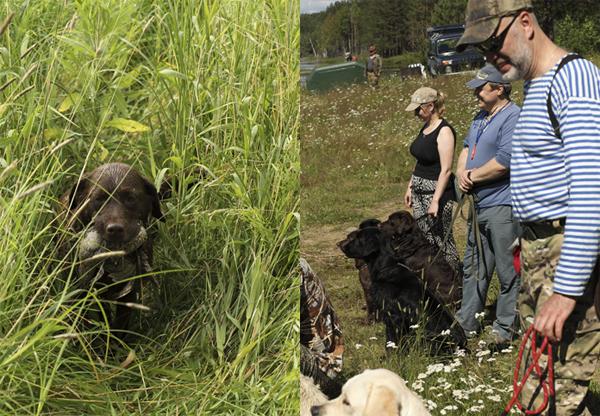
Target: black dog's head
x=361 y=243
x=116 y=200
x=398 y=223
x=371 y=222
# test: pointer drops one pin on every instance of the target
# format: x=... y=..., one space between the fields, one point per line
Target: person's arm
x=464 y=183
x=408 y=194
x=445 y=145
x=499 y=165
x=491 y=170
x=581 y=242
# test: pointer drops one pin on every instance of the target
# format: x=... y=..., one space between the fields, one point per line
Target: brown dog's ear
x=151 y=191
x=382 y=402
x=76 y=196
x=72 y=201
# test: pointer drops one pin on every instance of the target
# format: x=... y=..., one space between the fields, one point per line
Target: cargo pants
x=576 y=355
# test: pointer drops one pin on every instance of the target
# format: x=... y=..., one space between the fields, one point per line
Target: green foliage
x=582 y=36
x=447 y=12
x=173 y=87
x=398 y=26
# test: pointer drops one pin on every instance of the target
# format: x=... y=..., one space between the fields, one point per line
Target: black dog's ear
x=153 y=194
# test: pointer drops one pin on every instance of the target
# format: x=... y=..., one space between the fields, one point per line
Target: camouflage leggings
x=576 y=356
x=372 y=79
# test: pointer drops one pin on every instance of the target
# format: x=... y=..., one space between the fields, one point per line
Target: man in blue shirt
x=482 y=170
x=555 y=189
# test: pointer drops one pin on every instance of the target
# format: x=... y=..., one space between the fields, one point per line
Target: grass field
x=355 y=165
x=172 y=87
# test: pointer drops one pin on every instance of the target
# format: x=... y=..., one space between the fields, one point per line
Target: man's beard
x=520 y=62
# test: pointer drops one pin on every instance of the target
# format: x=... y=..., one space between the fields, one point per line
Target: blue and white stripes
x=553 y=178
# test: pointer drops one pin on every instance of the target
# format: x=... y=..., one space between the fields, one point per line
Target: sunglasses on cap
x=494 y=43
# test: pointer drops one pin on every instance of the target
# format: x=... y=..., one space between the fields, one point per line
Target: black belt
x=543 y=229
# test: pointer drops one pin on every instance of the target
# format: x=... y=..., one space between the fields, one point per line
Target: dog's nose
x=314 y=411
x=115 y=230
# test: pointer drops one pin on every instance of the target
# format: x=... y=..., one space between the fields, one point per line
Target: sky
x=313 y=6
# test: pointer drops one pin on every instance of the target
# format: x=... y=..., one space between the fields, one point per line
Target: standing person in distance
x=373 y=68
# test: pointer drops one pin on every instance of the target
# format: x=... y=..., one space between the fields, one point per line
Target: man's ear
x=526 y=20
x=155 y=201
x=382 y=402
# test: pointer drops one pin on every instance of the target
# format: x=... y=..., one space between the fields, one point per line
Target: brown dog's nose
x=115 y=230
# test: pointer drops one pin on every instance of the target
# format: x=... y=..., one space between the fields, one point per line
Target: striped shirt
x=553 y=178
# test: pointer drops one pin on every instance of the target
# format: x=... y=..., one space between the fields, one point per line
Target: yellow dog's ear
x=382 y=402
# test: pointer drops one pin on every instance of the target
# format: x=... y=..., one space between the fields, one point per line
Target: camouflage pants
x=575 y=357
x=372 y=79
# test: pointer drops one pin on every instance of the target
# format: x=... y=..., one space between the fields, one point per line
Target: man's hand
x=464 y=183
x=550 y=319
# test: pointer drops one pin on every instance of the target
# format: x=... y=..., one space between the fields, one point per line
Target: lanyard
x=482 y=126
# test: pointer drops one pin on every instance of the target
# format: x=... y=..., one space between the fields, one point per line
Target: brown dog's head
x=116 y=200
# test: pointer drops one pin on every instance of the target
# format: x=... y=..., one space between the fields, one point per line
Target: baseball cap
x=488 y=73
x=483 y=16
x=421 y=96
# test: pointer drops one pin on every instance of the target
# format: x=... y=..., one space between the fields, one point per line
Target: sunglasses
x=494 y=43
x=420 y=107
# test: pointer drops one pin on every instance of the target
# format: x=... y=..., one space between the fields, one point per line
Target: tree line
x=398 y=26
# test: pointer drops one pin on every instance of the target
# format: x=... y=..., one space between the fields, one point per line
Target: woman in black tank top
x=430 y=189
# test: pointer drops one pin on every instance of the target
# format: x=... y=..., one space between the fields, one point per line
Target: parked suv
x=443 y=58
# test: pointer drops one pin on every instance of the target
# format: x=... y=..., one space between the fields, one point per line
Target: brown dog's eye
x=345 y=402
x=99 y=199
x=127 y=198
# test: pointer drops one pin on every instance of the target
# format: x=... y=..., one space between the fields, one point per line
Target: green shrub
x=579 y=36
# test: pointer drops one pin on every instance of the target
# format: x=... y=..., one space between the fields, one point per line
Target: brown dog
x=109 y=210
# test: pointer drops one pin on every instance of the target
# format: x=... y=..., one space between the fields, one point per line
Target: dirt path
x=318 y=243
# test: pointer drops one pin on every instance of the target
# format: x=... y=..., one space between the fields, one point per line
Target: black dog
x=412 y=249
x=112 y=207
x=400 y=294
x=365 y=277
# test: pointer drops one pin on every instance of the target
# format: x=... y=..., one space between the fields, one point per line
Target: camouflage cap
x=483 y=17
x=421 y=96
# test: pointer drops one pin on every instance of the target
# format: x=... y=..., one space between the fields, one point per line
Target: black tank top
x=425 y=150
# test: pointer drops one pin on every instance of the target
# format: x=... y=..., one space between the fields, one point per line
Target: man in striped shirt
x=555 y=187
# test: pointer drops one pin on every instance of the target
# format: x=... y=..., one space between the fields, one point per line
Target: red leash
x=547 y=383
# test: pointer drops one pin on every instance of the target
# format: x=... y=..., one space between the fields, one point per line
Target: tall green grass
x=173 y=87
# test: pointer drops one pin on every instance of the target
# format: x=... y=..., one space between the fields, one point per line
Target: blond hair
x=438 y=104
